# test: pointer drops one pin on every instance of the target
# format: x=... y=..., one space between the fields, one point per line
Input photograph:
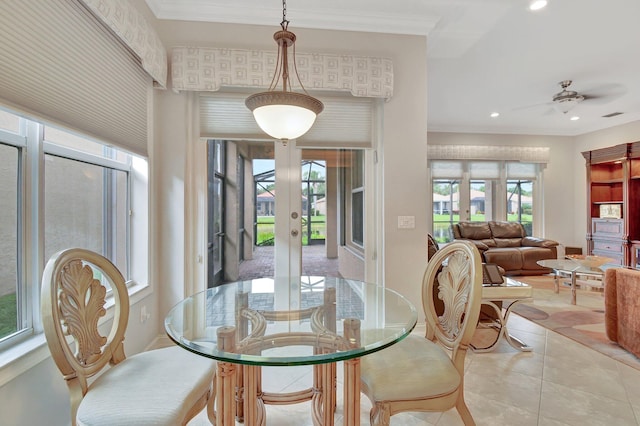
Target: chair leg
x=464 y=412
x=379 y=415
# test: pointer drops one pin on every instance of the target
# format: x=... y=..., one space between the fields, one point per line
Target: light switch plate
x=406 y=222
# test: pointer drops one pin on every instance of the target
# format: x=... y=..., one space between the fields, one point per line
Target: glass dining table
x=289 y=321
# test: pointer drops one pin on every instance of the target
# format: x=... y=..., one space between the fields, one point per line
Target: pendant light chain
x=284 y=24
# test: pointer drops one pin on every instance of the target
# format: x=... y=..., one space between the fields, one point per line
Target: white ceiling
x=483 y=55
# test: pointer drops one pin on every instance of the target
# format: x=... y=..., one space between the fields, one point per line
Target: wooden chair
x=166 y=386
x=427 y=374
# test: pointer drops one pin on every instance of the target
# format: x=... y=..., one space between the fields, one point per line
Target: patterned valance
x=528 y=154
x=121 y=17
x=209 y=69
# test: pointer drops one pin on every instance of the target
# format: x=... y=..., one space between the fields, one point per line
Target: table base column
x=254 y=411
x=352 y=392
x=225 y=394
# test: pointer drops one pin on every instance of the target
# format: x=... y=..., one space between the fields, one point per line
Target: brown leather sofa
x=507 y=245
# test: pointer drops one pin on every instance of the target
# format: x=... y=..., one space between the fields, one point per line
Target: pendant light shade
x=284 y=114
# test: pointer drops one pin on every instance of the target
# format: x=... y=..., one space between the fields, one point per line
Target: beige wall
x=404 y=142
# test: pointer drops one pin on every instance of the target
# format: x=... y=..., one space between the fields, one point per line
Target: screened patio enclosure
x=313 y=204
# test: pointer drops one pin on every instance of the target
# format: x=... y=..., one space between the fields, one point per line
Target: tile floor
x=560 y=383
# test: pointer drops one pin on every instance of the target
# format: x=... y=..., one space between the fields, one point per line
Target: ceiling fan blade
x=604 y=93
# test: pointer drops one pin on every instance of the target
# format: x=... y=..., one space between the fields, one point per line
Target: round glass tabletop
x=290 y=321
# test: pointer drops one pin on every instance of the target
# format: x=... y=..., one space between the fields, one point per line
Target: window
x=217 y=181
x=520 y=203
x=61 y=190
x=357 y=198
x=446 y=197
x=10 y=177
x=478 y=190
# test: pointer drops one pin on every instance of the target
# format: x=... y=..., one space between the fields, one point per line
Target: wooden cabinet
x=608 y=238
x=613 y=201
x=635 y=254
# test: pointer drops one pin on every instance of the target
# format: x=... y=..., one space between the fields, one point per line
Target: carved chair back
x=456 y=270
x=73 y=302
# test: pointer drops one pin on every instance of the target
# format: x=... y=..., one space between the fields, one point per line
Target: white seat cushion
x=150 y=388
x=426 y=370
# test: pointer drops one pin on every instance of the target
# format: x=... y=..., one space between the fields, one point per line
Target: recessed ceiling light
x=495 y=114
x=574 y=118
x=537 y=4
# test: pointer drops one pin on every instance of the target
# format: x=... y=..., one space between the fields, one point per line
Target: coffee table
x=568 y=268
x=510 y=293
x=284 y=322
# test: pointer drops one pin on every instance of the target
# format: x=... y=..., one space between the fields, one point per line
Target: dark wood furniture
x=635 y=254
x=613 y=201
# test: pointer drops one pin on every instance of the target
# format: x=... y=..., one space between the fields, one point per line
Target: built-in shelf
x=607 y=182
x=613 y=177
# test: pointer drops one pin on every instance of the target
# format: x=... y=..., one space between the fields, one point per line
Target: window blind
x=484 y=170
x=59 y=64
x=522 y=170
x=446 y=169
x=345 y=122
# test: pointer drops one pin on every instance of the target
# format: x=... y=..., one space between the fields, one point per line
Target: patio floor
x=314 y=262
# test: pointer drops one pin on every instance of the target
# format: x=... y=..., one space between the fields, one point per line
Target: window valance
x=529 y=154
x=209 y=69
x=121 y=17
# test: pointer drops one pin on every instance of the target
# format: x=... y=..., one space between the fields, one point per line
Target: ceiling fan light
x=567 y=104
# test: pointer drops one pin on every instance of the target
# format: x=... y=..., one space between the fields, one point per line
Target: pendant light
x=284 y=114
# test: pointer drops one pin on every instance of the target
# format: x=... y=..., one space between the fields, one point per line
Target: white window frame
x=357 y=167
x=27 y=347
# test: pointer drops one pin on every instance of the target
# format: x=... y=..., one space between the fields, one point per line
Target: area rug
x=582 y=322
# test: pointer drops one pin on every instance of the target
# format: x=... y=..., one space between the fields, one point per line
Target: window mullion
x=33 y=205
x=108 y=206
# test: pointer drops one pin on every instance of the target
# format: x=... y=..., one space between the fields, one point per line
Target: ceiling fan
x=565 y=100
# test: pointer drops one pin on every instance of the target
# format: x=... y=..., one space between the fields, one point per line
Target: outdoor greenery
x=8 y=314
x=265 y=230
